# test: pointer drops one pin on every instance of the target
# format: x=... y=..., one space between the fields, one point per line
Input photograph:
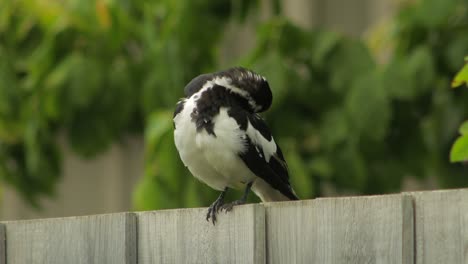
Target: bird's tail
x=269 y=194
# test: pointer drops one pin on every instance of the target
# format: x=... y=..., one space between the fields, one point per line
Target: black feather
x=179 y=107
x=209 y=103
x=275 y=171
x=272 y=172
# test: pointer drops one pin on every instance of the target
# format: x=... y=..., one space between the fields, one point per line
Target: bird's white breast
x=212 y=159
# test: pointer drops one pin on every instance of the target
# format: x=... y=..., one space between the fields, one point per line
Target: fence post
x=441 y=226
x=2 y=244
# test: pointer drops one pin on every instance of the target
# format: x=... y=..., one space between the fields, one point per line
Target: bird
x=225 y=143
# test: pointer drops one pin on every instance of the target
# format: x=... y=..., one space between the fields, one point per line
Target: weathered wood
x=441 y=226
x=375 y=229
x=417 y=227
x=184 y=236
x=89 y=239
x=2 y=244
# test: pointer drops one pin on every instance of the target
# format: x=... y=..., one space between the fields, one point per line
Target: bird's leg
x=215 y=207
x=228 y=207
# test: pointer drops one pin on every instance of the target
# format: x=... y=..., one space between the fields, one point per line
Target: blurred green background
x=352 y=115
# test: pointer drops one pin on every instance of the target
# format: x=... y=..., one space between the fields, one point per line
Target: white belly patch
x=213 y=159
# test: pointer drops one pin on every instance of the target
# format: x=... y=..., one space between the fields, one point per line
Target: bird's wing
x=264 y=157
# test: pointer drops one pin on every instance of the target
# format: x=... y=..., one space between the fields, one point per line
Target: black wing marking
x=196 y=84
x=260 y=125
x=179 y=107
x=274 y=171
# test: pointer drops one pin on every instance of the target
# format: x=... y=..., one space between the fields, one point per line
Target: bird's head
x=246 y=83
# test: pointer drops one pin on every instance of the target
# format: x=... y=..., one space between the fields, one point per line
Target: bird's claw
x=219 y=204
x=229 y=206
x=213 y=210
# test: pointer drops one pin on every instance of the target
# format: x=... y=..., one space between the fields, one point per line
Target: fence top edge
x=67 y=218
x=438 y=191
x=249 y=206
x=245 y=207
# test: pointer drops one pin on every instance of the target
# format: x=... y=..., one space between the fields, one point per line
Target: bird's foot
x=213 y=210
x=228 y=207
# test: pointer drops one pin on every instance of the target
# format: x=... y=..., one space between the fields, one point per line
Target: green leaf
x=350 y=166
x=85 y=79
x=464 y=129
x=435 y=13
x=322 y=167
x=410 y=76
x=293 y=40
x=170 y=166
x=144 y=197
x=323 y=45
x=350 y=60
x=164 y=172
x=459 y=150
x=301 y=181
x=334 y=128
x=461 y=77
x=368 y=107
x=158 y=125
x=456 y=49
x=192 y=197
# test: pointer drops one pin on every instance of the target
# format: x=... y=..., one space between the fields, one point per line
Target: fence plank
x=90 y=239
x=441 y=219
x=184 y=236
x=341 y=230
x=2 y=244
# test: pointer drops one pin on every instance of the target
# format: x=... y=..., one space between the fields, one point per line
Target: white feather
x=212 y=159
x=268 y=146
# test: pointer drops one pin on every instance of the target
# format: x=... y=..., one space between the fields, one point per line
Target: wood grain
x=441 y=222
x=375 y=229
x=184 y=236
x=89 y=239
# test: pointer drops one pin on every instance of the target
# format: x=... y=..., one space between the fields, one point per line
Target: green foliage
x=459 y=150
x=462 y=76
x=97 y=70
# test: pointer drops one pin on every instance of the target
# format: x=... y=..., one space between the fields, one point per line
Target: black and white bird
x=224 y=142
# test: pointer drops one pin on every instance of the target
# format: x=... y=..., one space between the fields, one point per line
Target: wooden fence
x=417 y=227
